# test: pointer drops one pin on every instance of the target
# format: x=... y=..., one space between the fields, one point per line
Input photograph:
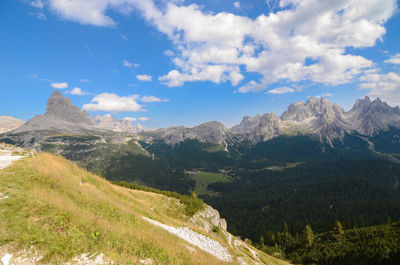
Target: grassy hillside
x=63 y=211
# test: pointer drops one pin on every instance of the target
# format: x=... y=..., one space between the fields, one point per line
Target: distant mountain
x=8 y=123
x=111 y=123
x=212 y=132
x=321 y=118
x=60 y=116
x=63 y=117
x=370 y=117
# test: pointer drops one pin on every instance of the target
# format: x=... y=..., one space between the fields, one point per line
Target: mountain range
x=320 y=118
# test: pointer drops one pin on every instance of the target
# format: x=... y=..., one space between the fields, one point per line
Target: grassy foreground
x=63 y=211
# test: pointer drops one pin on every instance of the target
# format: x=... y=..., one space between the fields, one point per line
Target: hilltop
x=55 y=212
x=9 y=123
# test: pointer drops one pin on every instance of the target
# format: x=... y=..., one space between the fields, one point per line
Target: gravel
x=205 y=243
x=6 y=159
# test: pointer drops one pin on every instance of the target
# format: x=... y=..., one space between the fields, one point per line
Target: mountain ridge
x=321 y=118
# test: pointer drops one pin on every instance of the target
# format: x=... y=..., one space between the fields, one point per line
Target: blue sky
x=168 y=63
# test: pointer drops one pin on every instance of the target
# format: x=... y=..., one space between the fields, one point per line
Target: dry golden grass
x=64 y=211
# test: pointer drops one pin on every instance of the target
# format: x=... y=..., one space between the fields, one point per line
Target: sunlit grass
x=64 y=211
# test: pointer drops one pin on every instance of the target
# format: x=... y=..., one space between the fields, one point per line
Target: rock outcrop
x=208 y=218
x=60 y=116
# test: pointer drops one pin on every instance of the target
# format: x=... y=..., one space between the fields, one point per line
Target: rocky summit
x=60 y=116
x=61 y=108
x=318 y=117
x=111 y=123
x=321 y=118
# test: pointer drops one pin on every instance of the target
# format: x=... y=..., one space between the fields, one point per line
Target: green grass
x=281 y=168
x=202 y=180
x=63 y=211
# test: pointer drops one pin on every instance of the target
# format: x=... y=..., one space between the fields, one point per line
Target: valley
x=308 y=167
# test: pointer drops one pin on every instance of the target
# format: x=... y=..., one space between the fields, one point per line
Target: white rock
x=6 y=259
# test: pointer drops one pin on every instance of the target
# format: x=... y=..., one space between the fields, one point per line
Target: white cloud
x=113 y=103
x=144 y=78
x=236 y=4
x=143 y=119
x=37 y=4
x=126 y=63
x=129 y=119
x=84 y=12
x=278 y=46
x=77 y=91
x=281 y=90
x=384 y=86
x=395 y=59
x=323 y=95
x=84 y=80
x=59 y=85
x=149 y=99
x=39 y=15
x=169 y=53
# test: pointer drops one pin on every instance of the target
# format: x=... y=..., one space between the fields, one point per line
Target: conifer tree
x=338 y=228
x=308 y=236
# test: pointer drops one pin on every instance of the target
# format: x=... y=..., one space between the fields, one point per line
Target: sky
x=168 y=63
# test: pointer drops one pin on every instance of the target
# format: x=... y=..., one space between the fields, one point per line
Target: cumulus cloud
x=60 y=85
x=303 y=40
x=113 y=103
x=143 y=119
x=144 y=78
x=84 y=80
x=77 y=91
x=37 y=4
x=395 y=59
x=236 y=4
x=149 y=99
x=129 y=119
x=281 y=90
x=384 y=86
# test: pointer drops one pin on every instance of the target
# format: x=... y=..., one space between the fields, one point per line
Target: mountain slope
x=62 y=211
x=9 y=123
x=60 y=116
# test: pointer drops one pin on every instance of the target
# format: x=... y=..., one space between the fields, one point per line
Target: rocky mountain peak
x=369 y=117
x=61 y=108
x=213 y=132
